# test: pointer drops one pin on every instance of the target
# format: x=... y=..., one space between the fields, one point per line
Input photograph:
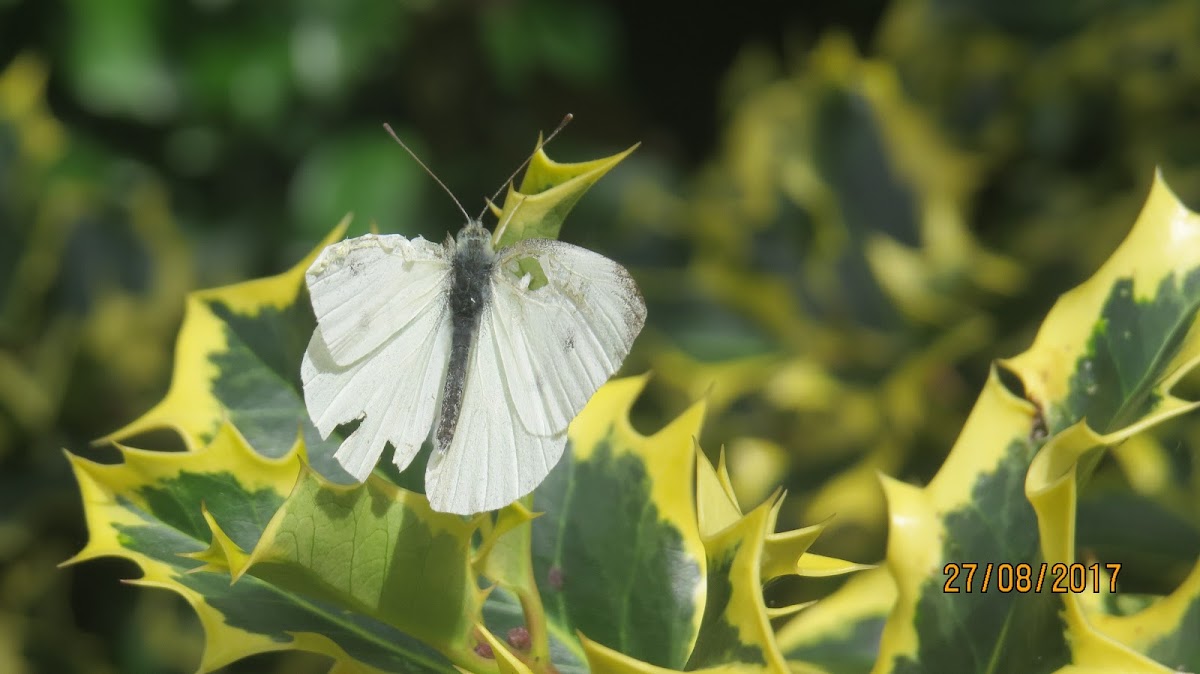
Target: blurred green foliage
x=835 y=259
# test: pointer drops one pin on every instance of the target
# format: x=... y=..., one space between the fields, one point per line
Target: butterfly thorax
x=471 y=269
x=470 y=292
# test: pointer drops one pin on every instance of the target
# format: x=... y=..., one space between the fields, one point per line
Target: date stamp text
x=1004 y=577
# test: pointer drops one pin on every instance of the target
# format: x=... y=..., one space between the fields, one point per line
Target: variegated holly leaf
x=548 y=192
x=743 y=552
x=1162 y=630
x=188 y=518
x=639 y=562
x=617 y=555
x=1100 y=370
x=614 y=552
x=237 y=360
x=840 y=634
x=377 y=553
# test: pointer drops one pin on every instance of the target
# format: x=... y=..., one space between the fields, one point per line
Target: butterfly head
x=474 y=237
x=473 y=230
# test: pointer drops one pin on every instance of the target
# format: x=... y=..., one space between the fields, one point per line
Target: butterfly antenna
x=417 y=159
x=565 y=120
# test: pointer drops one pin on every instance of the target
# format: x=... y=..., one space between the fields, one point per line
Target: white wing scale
x=539 y=356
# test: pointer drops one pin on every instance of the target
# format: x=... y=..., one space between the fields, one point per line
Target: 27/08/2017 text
x=1005 y=577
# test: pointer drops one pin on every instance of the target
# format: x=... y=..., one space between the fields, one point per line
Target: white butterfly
x=418 y=339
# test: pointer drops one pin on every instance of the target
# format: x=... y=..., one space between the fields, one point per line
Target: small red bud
x=518 y=638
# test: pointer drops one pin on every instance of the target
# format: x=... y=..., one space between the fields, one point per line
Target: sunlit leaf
x=378 y=552
x=238 y=358
x=547 y=194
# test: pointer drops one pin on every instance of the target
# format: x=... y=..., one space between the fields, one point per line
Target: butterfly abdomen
x=470 y=292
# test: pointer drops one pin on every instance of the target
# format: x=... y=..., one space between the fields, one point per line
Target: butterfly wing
x=366 y=289
x=539 y=356
x=380 y=349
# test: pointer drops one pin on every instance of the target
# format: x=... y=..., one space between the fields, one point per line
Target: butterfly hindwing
x=491 y=460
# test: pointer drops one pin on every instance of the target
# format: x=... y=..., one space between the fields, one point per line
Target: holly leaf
x=546 y=196
x=160 y=510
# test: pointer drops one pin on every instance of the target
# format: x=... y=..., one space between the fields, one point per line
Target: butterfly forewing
x=367 y=289
x=566 y=338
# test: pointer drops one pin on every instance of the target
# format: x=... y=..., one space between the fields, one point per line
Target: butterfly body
x=469 y=295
